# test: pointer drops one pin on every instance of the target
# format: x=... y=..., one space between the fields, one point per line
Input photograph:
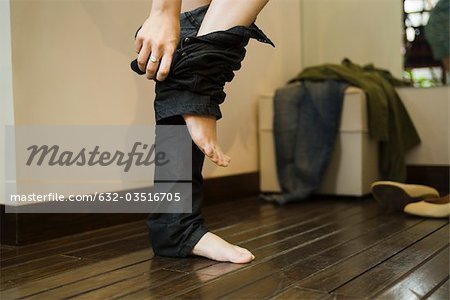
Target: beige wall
x=71 y=66
x=264 y=70
x=6 y=87
x=365 y=31
x=368 y=31
x=430 y=112
x=71 y=62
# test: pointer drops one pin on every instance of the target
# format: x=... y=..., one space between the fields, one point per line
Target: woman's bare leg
x=225 y=14
x=221 y=15
x=203 y=128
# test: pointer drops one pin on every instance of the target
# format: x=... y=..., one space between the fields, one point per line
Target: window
x=419 y=64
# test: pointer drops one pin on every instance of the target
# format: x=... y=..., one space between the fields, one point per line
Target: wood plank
x=267 y=234
x=51 y=265
x=335 y=276
x=91 y=236
x=230 y=220
x=117 y=289
x=118 y=281
x=247 y=219
x=268 y=259
x=421 y=281
x=72 y=239
x=263 y=232
x=282 y=220
x=272 y=232
x=82 y=287
x=86 y=272
x=298 y=293
x=140 y=241
x=53 y=247
x=125 y=247
x=113 y=248
x=79 y=242
x=323 y=258
x=96 y=252
x=39 y=269
x=219 y=215
x=299 y=263
x=442 y=292
x=277 y=235
x=219 y=211
x=116 y=286
x=346 y=297
x=6 y=249
x=294 y=293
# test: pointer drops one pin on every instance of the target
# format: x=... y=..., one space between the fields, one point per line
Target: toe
x=244 y=254
x=227 y=160
x=222 y=161
x=243 y=258
x=242 y=250
x=208 y=150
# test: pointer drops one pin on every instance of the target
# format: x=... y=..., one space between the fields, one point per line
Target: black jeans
x=200 y=68
x=175 y=234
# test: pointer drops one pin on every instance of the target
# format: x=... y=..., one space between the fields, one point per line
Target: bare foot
x=213 y=247
x=203 y=132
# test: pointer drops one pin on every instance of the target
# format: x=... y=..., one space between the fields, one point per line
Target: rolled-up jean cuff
x=193 y=240
x=186 y=102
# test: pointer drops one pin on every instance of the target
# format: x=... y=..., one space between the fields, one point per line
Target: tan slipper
x=431 y=208
x=394 y=196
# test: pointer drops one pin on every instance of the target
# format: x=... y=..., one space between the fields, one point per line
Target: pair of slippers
x=418 y=200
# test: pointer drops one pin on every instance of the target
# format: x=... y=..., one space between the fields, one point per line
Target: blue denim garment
x=306 y=121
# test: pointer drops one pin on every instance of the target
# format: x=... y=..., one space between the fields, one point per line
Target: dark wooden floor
x=321 y=249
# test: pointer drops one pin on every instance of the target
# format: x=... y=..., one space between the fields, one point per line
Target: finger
x=138 y=44
x=137 y=41
x=152 y=66
x=143 y=57
x=164 y=66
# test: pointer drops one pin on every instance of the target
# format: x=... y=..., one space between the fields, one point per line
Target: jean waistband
x=196 y=16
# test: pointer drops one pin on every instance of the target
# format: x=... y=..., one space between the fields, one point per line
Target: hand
x=159 y=38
